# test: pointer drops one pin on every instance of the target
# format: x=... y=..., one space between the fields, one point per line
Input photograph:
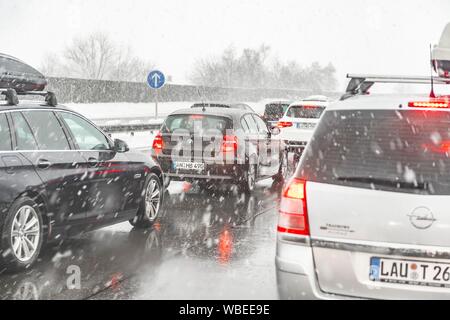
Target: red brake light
x=229 y=144
x=196 y=116
x=158 y=143
x=284 y=124
x=443 y=147
x=293 y=217
x=432 y=103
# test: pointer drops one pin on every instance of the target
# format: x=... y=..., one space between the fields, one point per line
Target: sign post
x=156 y=80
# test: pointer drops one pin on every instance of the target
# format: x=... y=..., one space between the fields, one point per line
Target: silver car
x=366 y=214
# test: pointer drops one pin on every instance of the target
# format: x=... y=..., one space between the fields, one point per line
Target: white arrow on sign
x=156 y=78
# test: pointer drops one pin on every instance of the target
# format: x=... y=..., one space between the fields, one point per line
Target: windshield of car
x=396 y=150
x=196 y=123
x=308 y=112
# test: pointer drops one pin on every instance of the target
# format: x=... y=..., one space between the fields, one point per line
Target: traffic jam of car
x=357 y=189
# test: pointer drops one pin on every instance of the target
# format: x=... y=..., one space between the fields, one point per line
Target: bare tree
x=252 y=69
x=127 y=67
x=51 y=65
x=206 y=73
x=92 y=56
x=96 y=56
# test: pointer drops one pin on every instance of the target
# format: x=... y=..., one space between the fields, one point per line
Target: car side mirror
x=275 y=131
x=120 y=146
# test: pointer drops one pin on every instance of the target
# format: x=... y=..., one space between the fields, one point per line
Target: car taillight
x=229 y=144
x=432 y=103
x=443 y=147
x=196 y=117
x=158 y=143
x=293 y=216
x=284 y=124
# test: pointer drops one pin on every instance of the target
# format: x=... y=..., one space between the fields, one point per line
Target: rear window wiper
x=387 y=182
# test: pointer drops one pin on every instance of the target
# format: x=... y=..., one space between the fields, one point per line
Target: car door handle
x=92 y=161
x=43 y=164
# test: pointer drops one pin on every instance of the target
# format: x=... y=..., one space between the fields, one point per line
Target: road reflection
x=209 y=225
x=84 y=266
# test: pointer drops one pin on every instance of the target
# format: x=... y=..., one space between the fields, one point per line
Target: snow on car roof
x=310 y=103
x=378 y=101
x=316 y=98
x=212 y=111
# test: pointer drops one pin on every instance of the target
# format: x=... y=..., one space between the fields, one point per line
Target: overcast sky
x=370 y=36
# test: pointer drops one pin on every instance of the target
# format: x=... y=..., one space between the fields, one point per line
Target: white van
x=366 y=214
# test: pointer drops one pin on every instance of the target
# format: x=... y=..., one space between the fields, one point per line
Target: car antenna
x=432 y=95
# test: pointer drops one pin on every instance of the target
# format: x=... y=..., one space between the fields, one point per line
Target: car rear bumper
x=300 y=135
x=295 y=140
x=299 y=264
x=351 y=267
x=295 y=269
x=295 y=272
x=295 y=286
x=193 y=177
x=213 y=171
x=295 y=146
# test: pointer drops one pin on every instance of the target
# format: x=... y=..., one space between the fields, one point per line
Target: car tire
x=283 y=169
x=249 y=182
x=296 y=160
x=151 y=203
x=167 y=181
x=21 y=235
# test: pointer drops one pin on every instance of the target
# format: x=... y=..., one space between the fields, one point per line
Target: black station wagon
x=60 y=175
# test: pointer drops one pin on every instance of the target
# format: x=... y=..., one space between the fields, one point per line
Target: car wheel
x=249 y=182
x=283 y=170
x=296 y=160
x=22 y=235
x=151 y=203
x=167 y=181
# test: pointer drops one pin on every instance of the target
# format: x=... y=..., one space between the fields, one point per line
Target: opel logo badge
x=421 y=218
x=190 y=141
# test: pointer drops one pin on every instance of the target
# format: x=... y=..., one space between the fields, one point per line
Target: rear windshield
x=196 y=123
x=403 y=151
x=308 y=112
x=275 y=111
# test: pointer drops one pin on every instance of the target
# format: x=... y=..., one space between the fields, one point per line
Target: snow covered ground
x=136 y=110
x=126 y=110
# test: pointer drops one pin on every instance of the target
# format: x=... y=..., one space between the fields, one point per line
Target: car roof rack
x=360 y=84
x=11 y=96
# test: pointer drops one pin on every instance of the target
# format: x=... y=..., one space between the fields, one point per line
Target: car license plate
x=196 y=166
x=305 y=125
x=413 y=272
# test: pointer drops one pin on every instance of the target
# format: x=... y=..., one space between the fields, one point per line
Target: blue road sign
x=156 y=79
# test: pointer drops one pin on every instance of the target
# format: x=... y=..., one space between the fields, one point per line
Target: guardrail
x=129 y=124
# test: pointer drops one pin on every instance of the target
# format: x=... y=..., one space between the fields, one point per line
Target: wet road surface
x=206 y=245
